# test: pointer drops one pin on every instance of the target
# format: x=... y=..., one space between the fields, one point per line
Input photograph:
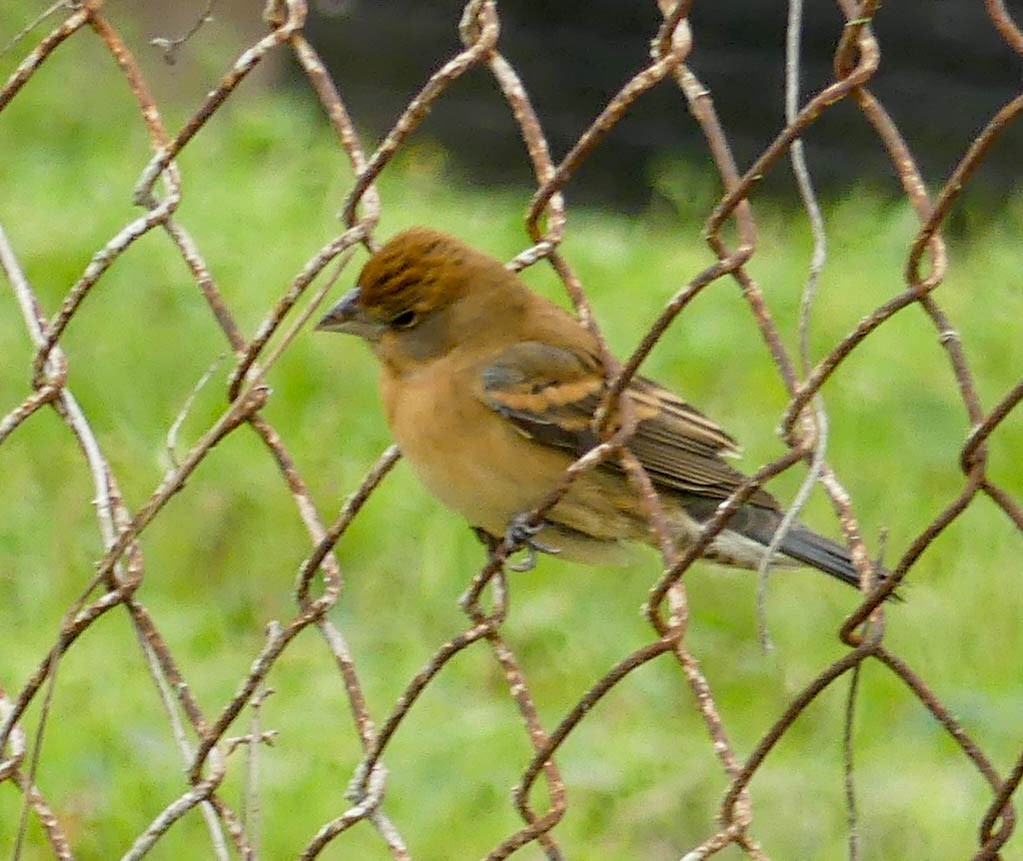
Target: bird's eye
x=405 y=320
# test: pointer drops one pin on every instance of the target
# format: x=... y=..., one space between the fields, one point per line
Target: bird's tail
x=822 y=553
x=806 y=546
x=799 y=544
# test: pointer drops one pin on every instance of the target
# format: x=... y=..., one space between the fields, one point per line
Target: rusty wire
x=120 y=570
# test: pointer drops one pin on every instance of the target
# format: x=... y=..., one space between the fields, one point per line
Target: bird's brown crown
x=421 y=269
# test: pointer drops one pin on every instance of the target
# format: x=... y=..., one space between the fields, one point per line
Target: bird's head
x=418 y=295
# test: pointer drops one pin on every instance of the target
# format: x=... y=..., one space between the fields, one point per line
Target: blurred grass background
x=262 y=183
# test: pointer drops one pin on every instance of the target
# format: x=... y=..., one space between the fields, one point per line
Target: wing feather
x=550 y=394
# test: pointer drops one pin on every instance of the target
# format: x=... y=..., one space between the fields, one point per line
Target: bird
x=490 y=392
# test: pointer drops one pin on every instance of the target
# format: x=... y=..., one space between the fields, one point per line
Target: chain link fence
x=207 y=739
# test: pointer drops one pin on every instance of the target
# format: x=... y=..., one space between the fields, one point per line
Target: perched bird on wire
x=490 y=392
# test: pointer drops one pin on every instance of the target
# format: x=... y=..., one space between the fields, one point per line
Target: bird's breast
x=479 y=464
x=469 y=457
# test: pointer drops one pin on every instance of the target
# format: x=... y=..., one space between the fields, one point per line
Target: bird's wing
x=550 y=394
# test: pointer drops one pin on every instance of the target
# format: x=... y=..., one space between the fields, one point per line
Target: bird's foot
x=486 y=539
x=523 y=536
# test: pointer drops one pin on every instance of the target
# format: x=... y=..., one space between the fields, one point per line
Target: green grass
x=262 y=184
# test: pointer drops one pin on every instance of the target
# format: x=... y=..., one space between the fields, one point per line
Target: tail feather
x=822 y=553
x=799 y=544
x=806 y=546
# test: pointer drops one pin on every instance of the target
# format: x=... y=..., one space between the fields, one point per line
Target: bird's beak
x=346 y=316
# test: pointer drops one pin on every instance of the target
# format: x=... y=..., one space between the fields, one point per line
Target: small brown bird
x=490 y=392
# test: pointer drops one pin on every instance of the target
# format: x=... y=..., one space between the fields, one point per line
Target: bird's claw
x=522 y=535
x=486 y=539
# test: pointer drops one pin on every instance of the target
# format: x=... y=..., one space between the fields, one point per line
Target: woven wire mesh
x=210 y=741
